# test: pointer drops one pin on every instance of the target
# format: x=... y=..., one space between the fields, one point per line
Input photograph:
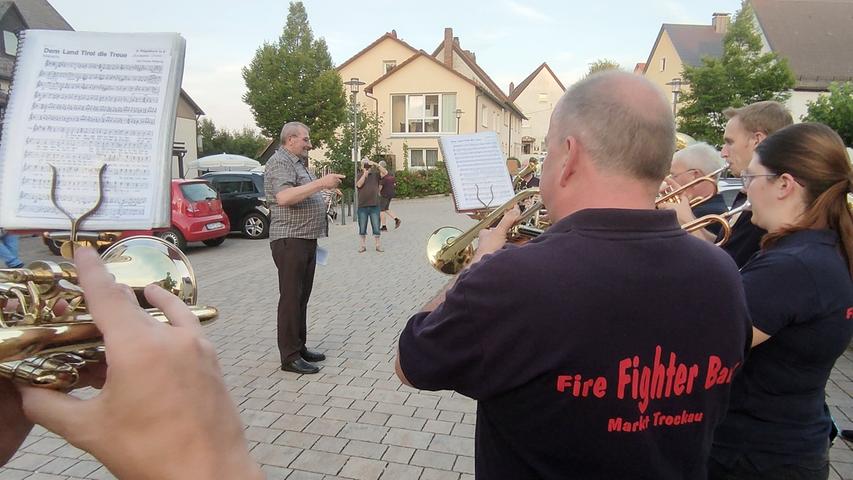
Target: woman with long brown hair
x=800 y=297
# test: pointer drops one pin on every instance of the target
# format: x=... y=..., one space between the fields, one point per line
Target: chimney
x=511 y=87
x=448 y=47
x=393 y=33
x=720 y=22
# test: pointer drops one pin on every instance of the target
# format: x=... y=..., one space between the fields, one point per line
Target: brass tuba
x=43 y=348
x=449 y=249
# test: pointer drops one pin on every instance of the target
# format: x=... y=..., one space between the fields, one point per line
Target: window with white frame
x=10 y=43
x=543 y=97
x=525 y=123
x=423 y=157
x=429 y=113
x=388 y=65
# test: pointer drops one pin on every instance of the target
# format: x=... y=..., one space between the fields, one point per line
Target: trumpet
x=519 y=175
x=43 y=348
x=672 y=195
x=449 y=249
x=724 y=220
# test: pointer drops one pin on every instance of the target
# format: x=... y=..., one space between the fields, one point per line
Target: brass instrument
x=449 y=249
x=724 y=219
x=672 y=195
x=43 y=348
x=683 y=140
x=519 y=175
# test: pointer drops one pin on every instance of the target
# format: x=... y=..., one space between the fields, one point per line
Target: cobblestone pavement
x=354 y=419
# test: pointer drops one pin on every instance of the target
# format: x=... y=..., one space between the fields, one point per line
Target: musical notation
x=98 y=77
x=104 y=66
x=44 y=86
x=82 y=112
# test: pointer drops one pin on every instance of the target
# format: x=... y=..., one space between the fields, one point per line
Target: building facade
x=536 y=96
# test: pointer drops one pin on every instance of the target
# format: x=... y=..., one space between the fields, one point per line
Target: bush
x=420 y=183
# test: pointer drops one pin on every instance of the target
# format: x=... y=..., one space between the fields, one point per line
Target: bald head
x=623 y=121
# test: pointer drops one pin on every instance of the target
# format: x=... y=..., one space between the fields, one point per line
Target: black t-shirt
x=746 y=236
x=533 y=182
x=799 y=291
x=558 y=340
x=389 y=185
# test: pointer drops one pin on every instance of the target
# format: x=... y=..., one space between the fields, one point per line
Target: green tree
x=244 y=142
x=339 y=152
x=602 y=65
x=835 y=110
x=294 y=80
x=742 y=75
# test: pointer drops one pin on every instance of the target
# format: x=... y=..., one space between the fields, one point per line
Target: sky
x=510 y=38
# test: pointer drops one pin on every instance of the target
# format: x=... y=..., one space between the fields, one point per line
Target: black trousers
x=295 y=259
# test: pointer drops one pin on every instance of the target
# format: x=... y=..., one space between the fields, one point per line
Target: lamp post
x=676 y=84
x=354 y=83
x=458 y=113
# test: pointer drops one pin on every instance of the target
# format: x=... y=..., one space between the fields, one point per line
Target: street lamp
x=354 y=83
x=458 y=113
x=676 y=84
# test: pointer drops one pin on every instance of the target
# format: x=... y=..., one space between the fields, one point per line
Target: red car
x=197 y=216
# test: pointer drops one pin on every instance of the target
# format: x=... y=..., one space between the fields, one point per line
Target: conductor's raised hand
x=331 y=180
x=164 y=411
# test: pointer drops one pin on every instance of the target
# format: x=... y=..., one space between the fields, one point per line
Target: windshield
x=198 y=191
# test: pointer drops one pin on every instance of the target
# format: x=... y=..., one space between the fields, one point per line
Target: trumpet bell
x=140 y=261
x=438 y=242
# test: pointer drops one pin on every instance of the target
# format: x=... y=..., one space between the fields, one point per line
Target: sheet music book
x=477 y=170
x=82 y=99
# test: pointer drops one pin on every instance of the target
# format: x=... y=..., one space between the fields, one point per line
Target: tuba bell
x=43 y=348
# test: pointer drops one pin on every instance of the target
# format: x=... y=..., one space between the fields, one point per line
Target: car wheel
x=174 y=237
x=214 y=242
x=256 y=225
x=54 y=246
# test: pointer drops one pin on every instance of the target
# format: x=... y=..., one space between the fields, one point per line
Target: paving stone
x=454 y=445
x=297 y=439
x=436 y=474
x=275 y=455
x=319 y=462
x=407 y=438
x=398 y=454
x=396 y=471
x=357 y=448
x=330 y=444
x=367 y=433
x=362 y=469
x=325 y=426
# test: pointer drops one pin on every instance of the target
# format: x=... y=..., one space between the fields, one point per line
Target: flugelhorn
x=43 y=348
x=672 y=195
x=449 y=249
x=723 y=219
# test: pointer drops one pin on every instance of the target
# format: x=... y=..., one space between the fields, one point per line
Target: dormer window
x=10 y=43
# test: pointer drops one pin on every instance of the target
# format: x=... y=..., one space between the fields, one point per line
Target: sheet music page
x=80 y=100
x=477 y=170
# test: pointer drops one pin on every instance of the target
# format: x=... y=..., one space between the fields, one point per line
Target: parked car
x=197 y=216
x=729 y=188
x=242 y=195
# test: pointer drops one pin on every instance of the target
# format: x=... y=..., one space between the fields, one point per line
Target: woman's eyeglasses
x=747 y=177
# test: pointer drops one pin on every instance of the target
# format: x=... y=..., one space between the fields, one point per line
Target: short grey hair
x=291 y=129
x=700 y=156
x=623 y=121
x=383 y=164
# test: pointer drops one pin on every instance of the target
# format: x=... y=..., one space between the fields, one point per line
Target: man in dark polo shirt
x=297 y=220
x=617 y=362
x=746 y=128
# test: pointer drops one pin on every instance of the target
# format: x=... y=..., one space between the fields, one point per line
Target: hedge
x=420 y=183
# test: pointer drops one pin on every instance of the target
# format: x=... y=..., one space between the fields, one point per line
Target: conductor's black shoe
x=847 y=435
x=310 y=356
x=299 y=366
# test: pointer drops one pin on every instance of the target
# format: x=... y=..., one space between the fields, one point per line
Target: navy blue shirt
x=594 y=351
x=799 y=291
x=746 y=237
